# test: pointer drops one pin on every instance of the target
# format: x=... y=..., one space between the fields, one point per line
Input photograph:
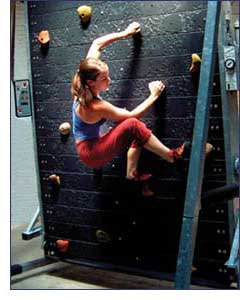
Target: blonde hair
x=89 y=69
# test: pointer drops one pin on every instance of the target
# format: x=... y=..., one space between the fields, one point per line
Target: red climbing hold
x=62 y=245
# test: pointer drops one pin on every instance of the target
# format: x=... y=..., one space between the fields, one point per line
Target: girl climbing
x=90 y=111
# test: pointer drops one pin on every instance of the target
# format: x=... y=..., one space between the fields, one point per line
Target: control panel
x=22 y=98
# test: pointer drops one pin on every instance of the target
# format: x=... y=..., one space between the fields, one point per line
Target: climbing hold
x=196 y=62
x=62 y=245
x=55 y=179
x=65 y=128
x=209 y=148
x=84 y=13
x=103 y=236
x=44 y=37
x=194 y=269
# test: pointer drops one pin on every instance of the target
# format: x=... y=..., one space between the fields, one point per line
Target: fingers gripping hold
x=156 y=87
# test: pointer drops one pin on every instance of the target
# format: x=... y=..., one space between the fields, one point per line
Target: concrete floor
x=61 y=275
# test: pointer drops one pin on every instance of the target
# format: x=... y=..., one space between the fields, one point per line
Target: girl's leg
x=171 y=155
x=96 y=153
x=133 y=156
x=154 y=145
x=132 y=161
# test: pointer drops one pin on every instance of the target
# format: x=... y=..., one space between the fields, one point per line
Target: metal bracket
x=33 y=231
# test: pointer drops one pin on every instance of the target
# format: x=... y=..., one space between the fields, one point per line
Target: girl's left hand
x=132 y=29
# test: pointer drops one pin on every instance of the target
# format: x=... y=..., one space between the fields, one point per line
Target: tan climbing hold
x=102 y=236
x=194 y=269
x=196 y=62
x=44 y=37
x=62 y=245
x=84 y=13
x=55 y=179
x=209 y=148
x=65 y=128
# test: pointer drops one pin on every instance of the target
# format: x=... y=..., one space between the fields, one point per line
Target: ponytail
x=81 y=91
x=89 y=69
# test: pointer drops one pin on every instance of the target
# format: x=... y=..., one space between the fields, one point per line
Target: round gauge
x=229 y=63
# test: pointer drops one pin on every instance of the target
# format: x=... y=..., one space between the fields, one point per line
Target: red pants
x=95 y=153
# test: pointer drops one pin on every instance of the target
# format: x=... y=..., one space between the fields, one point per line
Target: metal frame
x=40 y=210
x=233 y=260
x=230 y=109
x=231 y=137
x=30 y=265
x=31 y=230
x=196 y=168
x=229 y=106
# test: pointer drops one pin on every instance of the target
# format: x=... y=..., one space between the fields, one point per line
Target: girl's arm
x=99 y=43
x=113 y=113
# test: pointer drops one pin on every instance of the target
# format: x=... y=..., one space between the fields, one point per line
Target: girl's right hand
x=156 y=88
x=132 y=29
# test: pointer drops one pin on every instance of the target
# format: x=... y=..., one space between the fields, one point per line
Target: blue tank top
x=81 y=130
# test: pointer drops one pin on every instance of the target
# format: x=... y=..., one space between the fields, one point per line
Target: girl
x=90 y=111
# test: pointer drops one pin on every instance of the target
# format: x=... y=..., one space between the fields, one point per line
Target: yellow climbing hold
x=84 y=13
x=196 y=62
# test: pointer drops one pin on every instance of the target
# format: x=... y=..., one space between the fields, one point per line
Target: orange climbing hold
x=44 y=37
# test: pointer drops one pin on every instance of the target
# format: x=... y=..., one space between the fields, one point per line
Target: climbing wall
x=105 y=219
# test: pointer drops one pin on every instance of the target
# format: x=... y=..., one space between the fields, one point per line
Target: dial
x=229 y=63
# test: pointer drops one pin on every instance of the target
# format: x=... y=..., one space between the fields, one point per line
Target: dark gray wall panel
x=144 y=233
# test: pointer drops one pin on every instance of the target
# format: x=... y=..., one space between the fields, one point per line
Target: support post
x=197 y=159
x=31 y=230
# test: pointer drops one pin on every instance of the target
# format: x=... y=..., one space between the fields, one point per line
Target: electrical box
x=22 y=98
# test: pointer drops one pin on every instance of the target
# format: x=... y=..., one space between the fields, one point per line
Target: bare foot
x=138 y=177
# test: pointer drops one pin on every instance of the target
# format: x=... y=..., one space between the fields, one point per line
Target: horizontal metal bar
x=28 y=235
x=226 y=192
x=27 y=266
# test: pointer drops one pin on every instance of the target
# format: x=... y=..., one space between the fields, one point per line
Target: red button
x=19 y=110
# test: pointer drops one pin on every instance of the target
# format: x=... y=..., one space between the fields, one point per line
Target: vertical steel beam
x=26 y=3
x=196 y=168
